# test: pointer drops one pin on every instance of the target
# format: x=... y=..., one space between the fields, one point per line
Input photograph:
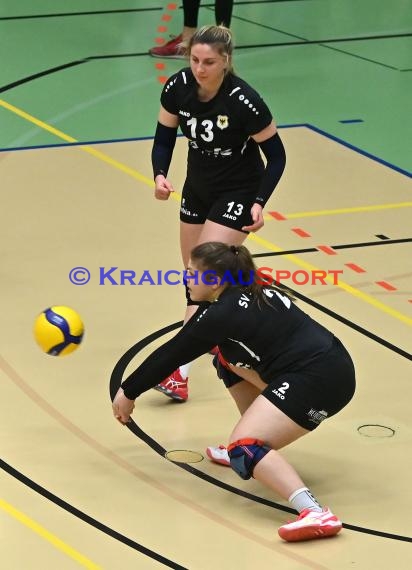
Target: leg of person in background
x=173 y=47
x=175 y=386
x=223 y=12
x=190 y=18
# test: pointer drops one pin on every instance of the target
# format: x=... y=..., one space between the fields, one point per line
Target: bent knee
x=245 y=454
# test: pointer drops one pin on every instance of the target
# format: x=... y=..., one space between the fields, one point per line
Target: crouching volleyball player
x=285 y=371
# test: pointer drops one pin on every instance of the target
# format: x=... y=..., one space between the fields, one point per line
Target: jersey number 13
x=207 y=136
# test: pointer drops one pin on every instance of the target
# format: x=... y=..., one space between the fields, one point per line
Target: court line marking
x=78 y=108
x=354 y=210
x=160 y=40
x=331 y=251
x=60 y=134
x=341 y=284
x=71 y=14
x=47 y=535
x=253 y=237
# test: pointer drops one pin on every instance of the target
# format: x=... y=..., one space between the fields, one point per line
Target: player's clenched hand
x=257 y=217
x=163 y=187
x=122 y=407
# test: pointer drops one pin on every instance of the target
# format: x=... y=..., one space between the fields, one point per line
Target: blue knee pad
x=245 y=454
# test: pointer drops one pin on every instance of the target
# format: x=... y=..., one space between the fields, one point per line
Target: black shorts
x=230 y=209
x=317 y=392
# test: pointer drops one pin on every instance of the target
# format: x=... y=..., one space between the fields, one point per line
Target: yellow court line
x=341 y=284
x=96 y=153
x=265 y=243
x=44 y=533
x=336 y=211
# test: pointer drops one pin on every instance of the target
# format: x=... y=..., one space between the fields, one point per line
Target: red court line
x=161 y=40
x=355 y=267
x=277 y=216
x=386 y=285
x=327 y=249
x=300 y=232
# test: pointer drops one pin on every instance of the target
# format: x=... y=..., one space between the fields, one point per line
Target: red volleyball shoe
x=171 y=49
x=174 y=386
x=310 y=525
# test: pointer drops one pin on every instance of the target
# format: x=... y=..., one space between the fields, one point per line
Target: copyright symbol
x=79 y=275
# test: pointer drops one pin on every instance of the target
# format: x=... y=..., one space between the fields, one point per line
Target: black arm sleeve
x=183 y=347
x=162 y=151
x=274 y=152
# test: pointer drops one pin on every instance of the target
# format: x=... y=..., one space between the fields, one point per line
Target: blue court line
x=348 y=121
x=359 y=150
x=286 y=126
x=83 y=143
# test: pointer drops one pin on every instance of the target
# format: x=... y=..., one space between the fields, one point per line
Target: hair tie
x=234 y=249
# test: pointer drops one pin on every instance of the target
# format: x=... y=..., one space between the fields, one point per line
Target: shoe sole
x=309 y=532
x=220 y=461
x=170 y=394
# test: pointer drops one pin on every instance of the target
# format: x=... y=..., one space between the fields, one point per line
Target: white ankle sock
x=184 y=370
x=302 y=499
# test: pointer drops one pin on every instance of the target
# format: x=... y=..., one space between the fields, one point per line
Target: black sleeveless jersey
x=271 y=338
x=221 y=153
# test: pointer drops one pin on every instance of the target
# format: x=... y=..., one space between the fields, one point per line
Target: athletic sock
x=303 y=499
x=184 y=370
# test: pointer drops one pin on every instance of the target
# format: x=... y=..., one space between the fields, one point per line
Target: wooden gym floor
x=79 y=490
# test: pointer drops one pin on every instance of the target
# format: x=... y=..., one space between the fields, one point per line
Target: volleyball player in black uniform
x=285 y=371
x=227 y=183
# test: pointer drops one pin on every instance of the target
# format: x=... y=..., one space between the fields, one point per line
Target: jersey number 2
x=207 y=136
x=284 y=298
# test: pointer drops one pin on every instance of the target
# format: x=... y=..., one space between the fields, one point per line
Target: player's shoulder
x=237 y=89
x=243 y=96
x=222 y=310
x=182 y=79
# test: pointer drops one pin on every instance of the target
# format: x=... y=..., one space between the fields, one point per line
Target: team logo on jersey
x=222 y=121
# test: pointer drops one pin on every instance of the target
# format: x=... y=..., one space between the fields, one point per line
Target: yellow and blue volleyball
x=58 y=330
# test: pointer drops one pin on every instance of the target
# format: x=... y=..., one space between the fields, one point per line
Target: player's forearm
x=162 y=151
x=275 y=154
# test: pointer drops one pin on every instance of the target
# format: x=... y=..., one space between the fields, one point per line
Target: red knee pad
x=245 y=441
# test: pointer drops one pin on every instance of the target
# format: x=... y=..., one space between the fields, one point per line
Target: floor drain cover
x=376 y=430
x=184 y=456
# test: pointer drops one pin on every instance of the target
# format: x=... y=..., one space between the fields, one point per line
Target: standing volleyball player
x=227 y=184
x=285 y=371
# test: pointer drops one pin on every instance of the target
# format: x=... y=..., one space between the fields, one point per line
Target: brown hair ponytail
x=235 y=265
